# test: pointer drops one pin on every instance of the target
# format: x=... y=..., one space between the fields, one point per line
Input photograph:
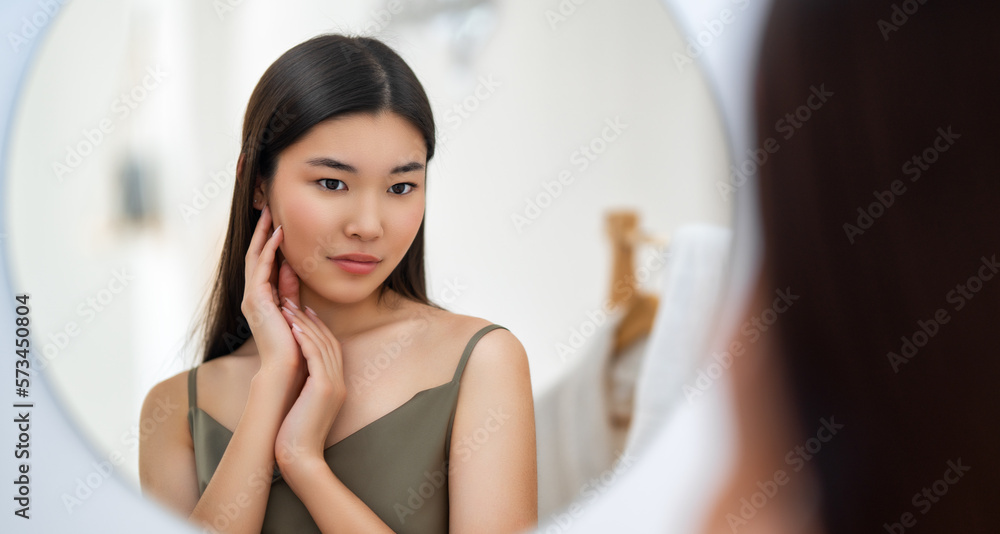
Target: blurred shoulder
x=167 y=392
x=220 y=374
x=164 y=410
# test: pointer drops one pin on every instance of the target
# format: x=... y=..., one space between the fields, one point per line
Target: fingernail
x=289 y=312
x=290 y=303
x=276 y=230
x=310 y=310
x=296 y=327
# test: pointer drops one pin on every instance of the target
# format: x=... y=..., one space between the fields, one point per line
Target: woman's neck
x=347 y=320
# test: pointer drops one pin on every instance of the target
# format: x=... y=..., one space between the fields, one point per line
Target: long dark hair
x=326 y=76
x=876 y=244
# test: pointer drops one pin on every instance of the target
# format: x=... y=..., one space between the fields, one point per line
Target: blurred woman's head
x=877 y=211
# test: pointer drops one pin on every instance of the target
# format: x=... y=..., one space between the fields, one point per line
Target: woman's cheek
x=288 y=248
x=414 y=219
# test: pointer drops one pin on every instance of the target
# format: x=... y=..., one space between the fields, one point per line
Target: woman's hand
x=302 y=437
x=262 y=296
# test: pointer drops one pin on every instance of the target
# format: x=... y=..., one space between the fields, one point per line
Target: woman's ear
x=259 y=195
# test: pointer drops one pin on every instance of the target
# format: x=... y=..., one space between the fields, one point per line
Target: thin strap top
x=397 y=464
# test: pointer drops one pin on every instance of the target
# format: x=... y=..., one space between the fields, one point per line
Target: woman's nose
x=365 y=220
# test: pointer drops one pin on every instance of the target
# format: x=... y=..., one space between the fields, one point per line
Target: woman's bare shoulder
x=172 y=389
x=169 y=391
x=224 y=370
x=440 y=331
x=497 y=346
x=444 y=325
x=166 y=405
x=220 y=374
x=496 y=353
x=451 y=320
x=207 y=371
x=472 y=324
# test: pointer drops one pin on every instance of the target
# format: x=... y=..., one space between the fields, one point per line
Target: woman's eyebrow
x=334 y=164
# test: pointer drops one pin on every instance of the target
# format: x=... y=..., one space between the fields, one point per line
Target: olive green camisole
x=397 y=464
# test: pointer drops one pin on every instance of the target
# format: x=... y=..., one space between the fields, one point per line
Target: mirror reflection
x=571 y=193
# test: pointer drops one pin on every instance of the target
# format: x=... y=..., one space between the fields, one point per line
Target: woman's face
x=351 y=184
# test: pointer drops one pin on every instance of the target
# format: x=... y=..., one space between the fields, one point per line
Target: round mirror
x=575 y=139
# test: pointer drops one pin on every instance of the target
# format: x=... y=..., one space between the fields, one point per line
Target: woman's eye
x=331 y=180
x=395 y=188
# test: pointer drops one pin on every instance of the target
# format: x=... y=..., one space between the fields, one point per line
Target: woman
x=342 y=412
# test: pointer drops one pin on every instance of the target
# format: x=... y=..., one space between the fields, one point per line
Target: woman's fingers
x=321 y=341
x=262 y=247
x=260 y=297
x=334 y=344
x=258 y=237
x=313 y=353
x=257 y=240
x=326 y=339
x=265 y=262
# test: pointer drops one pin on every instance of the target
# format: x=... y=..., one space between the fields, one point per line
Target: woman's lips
x=356 y=267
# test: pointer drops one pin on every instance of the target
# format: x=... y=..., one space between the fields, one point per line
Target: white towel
x=658 y=492
x=572 y=430
x=685 y=319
